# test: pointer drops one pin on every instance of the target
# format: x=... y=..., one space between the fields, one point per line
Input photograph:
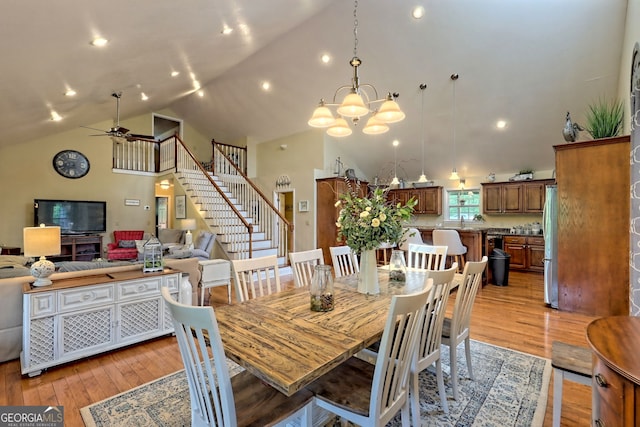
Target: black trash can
x=499 y=264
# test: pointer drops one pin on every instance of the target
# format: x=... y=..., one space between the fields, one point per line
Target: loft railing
x=237 y=155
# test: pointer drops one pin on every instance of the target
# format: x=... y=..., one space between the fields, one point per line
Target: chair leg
x=558 y=379
x=414 y=397
x=467 y=351
x=443 y=395
x=453 y=363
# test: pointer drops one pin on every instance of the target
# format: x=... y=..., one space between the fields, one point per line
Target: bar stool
x=455 y=248
x=215 y=272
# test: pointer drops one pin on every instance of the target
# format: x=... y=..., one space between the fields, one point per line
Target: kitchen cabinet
x=514 y=197
x=593 y=226
x=429 y=199
x=328 y=192
x=527 y=252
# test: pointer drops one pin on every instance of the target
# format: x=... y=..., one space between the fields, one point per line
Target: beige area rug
x=510 y=389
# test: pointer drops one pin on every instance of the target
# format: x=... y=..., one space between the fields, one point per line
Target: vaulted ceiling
x=525 y=62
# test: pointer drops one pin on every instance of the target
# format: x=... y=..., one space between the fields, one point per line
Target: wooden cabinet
x=514 y=197
x=593 y=226
x=616 y=370
x=328 y=192
x=429 y=199
x=79 y=248
x=527 y=252
x=79 y=317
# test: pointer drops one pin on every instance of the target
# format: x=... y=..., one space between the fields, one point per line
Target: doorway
x=284 y=202
x=165 y=127
x=162 y=213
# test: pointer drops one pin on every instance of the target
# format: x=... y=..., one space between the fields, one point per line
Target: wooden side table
x=9 y=250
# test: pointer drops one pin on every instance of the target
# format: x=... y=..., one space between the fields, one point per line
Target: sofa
x=124 y=244
x=11 y=294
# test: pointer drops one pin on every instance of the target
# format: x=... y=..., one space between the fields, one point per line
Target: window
x=463 y=204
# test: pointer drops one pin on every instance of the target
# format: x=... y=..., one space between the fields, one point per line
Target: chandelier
x=358 y=103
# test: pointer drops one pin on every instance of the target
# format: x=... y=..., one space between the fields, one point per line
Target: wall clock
x=71 y=164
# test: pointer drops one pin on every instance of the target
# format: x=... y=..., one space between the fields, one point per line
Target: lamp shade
x=390 y=112
x=340 y=128
x=352 y=106
x=322 y=117
x=375 y=126
x=189 y=224
x=41 y=241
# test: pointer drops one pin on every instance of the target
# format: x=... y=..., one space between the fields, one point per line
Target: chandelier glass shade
x=360 y=101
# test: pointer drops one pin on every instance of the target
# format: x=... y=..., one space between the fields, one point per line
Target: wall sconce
x=164 y=184
x=283 y=181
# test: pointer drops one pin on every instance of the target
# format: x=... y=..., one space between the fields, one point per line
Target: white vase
x=368 y=276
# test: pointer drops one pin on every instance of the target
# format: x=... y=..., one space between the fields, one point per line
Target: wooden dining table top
x=280 y=340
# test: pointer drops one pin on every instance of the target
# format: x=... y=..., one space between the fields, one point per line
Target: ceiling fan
x=118 y=131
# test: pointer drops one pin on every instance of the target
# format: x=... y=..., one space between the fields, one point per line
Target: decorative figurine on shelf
x=570 y=131
x=152 y=255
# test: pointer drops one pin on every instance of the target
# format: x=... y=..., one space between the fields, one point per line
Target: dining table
x=279 y=339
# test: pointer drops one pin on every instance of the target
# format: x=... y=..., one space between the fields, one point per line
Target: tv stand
x=75 y=247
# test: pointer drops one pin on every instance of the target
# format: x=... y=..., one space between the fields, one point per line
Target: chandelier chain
x=355 y=28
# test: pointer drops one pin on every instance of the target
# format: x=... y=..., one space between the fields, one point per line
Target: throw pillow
x=127 y=244
x=203 y=240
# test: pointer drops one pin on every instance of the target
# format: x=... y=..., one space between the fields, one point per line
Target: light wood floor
x=512 y=316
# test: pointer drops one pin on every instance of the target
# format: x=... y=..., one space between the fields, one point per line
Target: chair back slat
x=256 y=277
x=303 y=263
x=428 y=257
x=344 y=261
x=466 y=295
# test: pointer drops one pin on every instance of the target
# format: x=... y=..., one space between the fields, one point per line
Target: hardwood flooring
x=512 y=316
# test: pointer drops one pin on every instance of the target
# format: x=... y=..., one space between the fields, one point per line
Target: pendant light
x=395 y=180
x=454 y=172
x=423 y=177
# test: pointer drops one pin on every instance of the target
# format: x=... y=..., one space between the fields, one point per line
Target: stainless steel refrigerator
x=550 y=229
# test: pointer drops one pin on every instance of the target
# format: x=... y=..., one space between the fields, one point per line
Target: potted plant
x=604 y=119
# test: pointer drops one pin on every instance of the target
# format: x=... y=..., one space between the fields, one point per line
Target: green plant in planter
x=604 y=119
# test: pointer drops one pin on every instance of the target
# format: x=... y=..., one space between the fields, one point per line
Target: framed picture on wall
x=181 y=207
x=303 y=206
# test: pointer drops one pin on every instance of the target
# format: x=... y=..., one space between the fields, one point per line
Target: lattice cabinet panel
x=80 y=317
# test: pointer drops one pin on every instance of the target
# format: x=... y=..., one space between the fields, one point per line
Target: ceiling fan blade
x=90 y=128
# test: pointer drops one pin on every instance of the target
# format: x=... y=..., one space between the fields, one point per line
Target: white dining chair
x=303 y=263
x=371 y=395
x=455 y=329
x=344 y=261
x=427 y=257
x=451 y=239
x=256 y=277
x=410 y=235
x=217 y=399
x=431 y=338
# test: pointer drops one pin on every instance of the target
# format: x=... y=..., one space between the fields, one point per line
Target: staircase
x=246 y=223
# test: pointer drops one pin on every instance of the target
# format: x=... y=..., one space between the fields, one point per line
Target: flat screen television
x=72 y=216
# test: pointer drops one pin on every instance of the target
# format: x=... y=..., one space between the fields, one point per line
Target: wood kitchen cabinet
x=328 y=192
x=527 y=252
x=514 y=197
x=429 y=199
x=593 y=226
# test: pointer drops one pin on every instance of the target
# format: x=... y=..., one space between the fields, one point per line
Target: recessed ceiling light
x=227 y=30
x=201 y=93
x=266 y=85
x=99 y=42
x=396 y=143
x=175 y=73
x=55 y=116
x=196 y=85
x=325 y=58
x=143 y=96
x=70 y=92
x=501 y=124
x=417 y=12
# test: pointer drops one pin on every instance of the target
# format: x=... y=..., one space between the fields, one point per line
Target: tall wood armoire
x=328 y=191
x=593 y=226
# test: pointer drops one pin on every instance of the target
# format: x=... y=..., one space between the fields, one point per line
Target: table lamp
x=39 y=242
x=188 y=224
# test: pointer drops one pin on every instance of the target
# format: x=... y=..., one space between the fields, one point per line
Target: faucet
x=461 y=221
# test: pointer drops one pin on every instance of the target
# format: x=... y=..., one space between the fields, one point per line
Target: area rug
x=510 y=389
